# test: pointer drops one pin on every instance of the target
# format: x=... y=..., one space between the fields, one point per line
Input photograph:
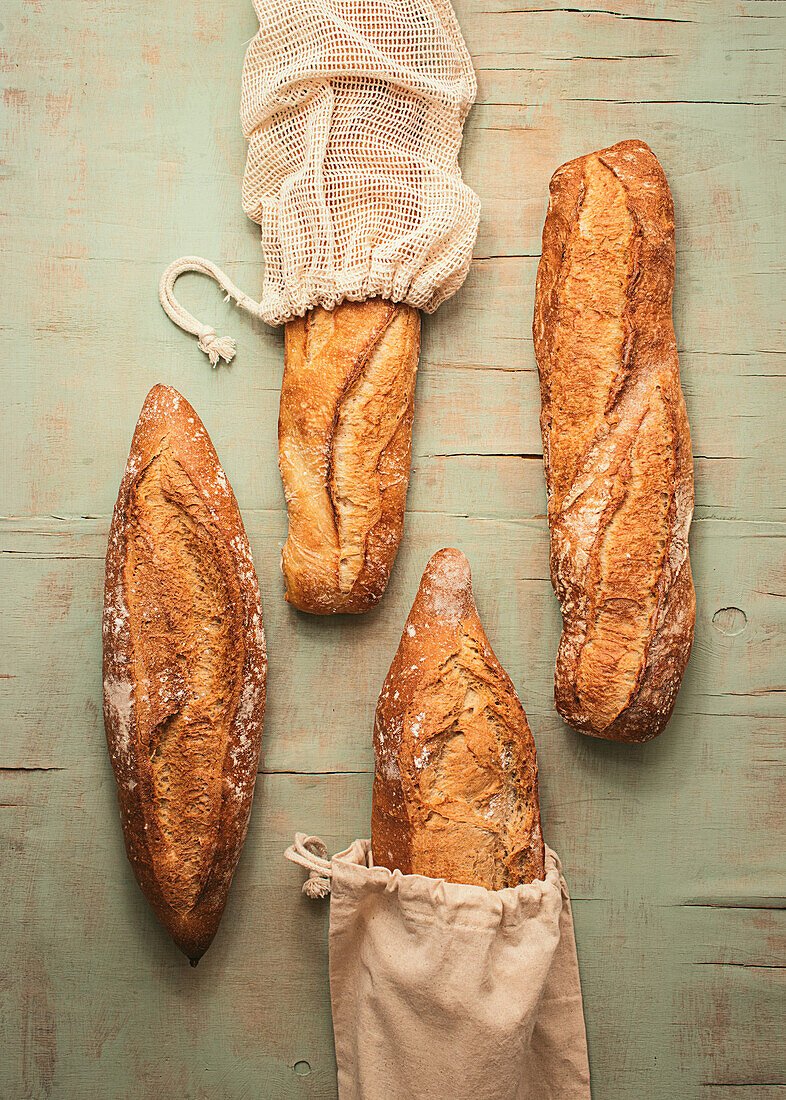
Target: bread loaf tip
x=456 y=782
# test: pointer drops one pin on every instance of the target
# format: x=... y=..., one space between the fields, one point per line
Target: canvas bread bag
x=442 y=991
x=353 y=111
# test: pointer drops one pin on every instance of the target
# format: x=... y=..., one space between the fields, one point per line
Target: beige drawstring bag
x=354 y=112
x=447 y=992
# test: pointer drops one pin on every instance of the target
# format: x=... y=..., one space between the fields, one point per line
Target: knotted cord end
x=311 y=853
x=316 y=888
x=217 y=347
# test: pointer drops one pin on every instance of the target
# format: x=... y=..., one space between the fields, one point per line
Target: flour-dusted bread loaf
x=345 y=435
x=616 y=443
x=456 y=778
x=184 y=670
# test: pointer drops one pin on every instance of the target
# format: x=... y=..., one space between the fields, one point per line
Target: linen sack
x=441 y=991
x=353 y=111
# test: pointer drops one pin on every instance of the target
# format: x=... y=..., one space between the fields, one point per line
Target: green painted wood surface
x=122 y=150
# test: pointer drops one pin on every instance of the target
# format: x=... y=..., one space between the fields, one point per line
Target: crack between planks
x=507 y=255
x=616 y=57
x=28 y=554
x=741 y=1084
x=675 y=102
x=481 y=454
x=745 y=965
x=298 y=771
x=758 y=693
x=23 y=768
x=588 y=11
x=775 y=903
x=261 y=771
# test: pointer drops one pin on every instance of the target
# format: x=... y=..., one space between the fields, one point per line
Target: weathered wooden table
x=122 y=150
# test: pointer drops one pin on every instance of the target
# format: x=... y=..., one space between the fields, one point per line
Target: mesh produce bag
x=449 y=992
x=353 y=111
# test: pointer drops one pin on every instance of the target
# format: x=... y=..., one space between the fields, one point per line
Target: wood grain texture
x=121 y=149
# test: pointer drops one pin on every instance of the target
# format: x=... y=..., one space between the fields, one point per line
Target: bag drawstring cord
x=214 y=347
x=311 y=852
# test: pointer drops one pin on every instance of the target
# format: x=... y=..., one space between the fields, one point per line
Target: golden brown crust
x=616 y=443
x=456 y=777
x=345 y=434
x=184 y=670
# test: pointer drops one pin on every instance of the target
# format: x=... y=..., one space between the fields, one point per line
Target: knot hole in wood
x=730 y=621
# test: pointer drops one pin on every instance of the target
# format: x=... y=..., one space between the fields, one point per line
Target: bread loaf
x=184 y=670
x=345 y=433
x=456 y=779
x=616 y=443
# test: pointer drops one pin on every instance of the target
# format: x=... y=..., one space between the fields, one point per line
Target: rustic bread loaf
x=184 y=670
x=456 y=778
x=345 y=434
x=616 y=443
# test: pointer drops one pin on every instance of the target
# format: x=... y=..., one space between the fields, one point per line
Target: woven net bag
x=353 y=111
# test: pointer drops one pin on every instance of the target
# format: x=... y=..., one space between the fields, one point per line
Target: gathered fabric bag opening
x=443 y=991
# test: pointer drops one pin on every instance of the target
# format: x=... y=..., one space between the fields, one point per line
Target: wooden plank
x=234 y=1028
x=735 y=473
x=737 y=674
x=261 y=992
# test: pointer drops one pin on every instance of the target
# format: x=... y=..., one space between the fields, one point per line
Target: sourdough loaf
x=345 y=433
x=184 y=670
x=616 y=443
x=456 y=778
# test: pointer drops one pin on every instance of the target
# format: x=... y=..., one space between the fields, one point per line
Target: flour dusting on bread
x=184 y=670
x=455 y=786
x=616 y=443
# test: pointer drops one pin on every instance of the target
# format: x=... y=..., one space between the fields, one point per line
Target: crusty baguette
x=616 y=443
x=456 y=778
x=184 y=670
x=345 y=434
